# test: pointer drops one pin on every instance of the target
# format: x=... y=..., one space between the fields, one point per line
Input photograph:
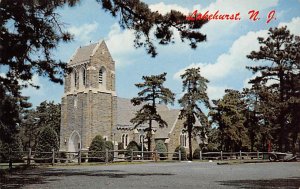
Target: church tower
x=88 y=106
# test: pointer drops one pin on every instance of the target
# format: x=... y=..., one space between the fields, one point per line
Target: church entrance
x=74 y=142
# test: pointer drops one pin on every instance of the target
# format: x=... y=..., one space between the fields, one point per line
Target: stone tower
x=88 y=106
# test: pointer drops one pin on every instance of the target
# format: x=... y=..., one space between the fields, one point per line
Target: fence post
x=179 y=155
x=10 y=160
x=200 y=154
x=131 y=158
x=79 y=156
x=29 y=156
x=156 y=156
x=53 y=156
x=106 y=156
x=240 y=155
x=222 y=155
x=257 y=154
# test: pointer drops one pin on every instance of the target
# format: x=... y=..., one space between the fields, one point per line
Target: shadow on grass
x=43 y=175
x=288 y=183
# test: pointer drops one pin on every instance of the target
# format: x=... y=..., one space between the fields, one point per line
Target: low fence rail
x=107 y=156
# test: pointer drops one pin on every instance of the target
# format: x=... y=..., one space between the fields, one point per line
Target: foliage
x=277 y=87
x=176 y=153
x=227 y=113
x=47 y=114
x=47 y=141
x=16 y=150
x=161 y=149
x=136 y=15
x=194 y=86
x=132 y=146
x=152 y=91
x=97 y=149
x=196 y=154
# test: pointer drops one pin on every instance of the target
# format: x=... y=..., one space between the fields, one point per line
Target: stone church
x=91 y=107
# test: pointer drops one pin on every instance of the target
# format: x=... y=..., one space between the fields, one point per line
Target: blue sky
x=222 y=58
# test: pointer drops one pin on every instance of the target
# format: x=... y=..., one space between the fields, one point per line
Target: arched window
x=183 y=139
x=75 y=78
x=102 y=77
x=125 y=140
x=83 y=77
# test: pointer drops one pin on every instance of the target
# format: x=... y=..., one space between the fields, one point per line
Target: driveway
x=181 y=175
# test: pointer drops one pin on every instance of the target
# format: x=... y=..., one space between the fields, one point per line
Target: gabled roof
x=126 y=111
x=83 y=54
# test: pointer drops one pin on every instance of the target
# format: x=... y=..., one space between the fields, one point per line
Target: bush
x=161 y=149
x=120 y=147
x=62 y=156
x=47 y=141
x=183 y=153
x=132 y=146
x=16 y=146
x=97 y=149
x=196 y=154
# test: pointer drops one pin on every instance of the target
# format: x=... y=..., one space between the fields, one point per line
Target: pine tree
x=152 y=91
x=227 y=114
x=47 y=141
x=194 y=86
x=279 y=75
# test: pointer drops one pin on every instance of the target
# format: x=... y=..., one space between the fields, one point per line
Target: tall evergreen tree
x=194 y=86
x=279 y=75
x=152 y=92
x=227 y=114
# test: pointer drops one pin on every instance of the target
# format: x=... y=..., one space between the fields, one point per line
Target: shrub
x=196 y=154
x=16 y=146
x=62 y=156
x=97 y=149
x=183 y=153
x=47 y=140
x=120 y=147
x=132 y=146
x=161 y=149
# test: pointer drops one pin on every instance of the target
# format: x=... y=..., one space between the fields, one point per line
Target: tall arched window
x=125 y=139
x=75 y=78
x=102 y=77
x=183 y=139
x=83 y=76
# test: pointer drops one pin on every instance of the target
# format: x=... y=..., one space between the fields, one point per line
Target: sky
x=222 y=58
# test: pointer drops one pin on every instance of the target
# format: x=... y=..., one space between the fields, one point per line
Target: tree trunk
x=190 y=125
x=149 y=136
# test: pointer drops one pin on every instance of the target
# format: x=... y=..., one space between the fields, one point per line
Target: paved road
x=182 y=175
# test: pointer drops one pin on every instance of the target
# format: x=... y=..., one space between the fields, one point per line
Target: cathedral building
x=91 y=107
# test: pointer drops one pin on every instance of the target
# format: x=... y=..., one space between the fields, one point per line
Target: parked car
x=278 y=156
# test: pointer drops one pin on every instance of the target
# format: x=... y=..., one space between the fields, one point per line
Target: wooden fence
x=107 y=156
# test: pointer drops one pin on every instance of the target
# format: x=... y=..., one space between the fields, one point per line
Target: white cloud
x=215 y=92
x=83 y=32
x=213 y=28
x=119 y=41
x=293 y=26
x=234 y=60
x=162 y=8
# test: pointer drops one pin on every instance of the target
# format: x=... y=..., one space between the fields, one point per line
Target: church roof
x=126 y=111
x=83 y=54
